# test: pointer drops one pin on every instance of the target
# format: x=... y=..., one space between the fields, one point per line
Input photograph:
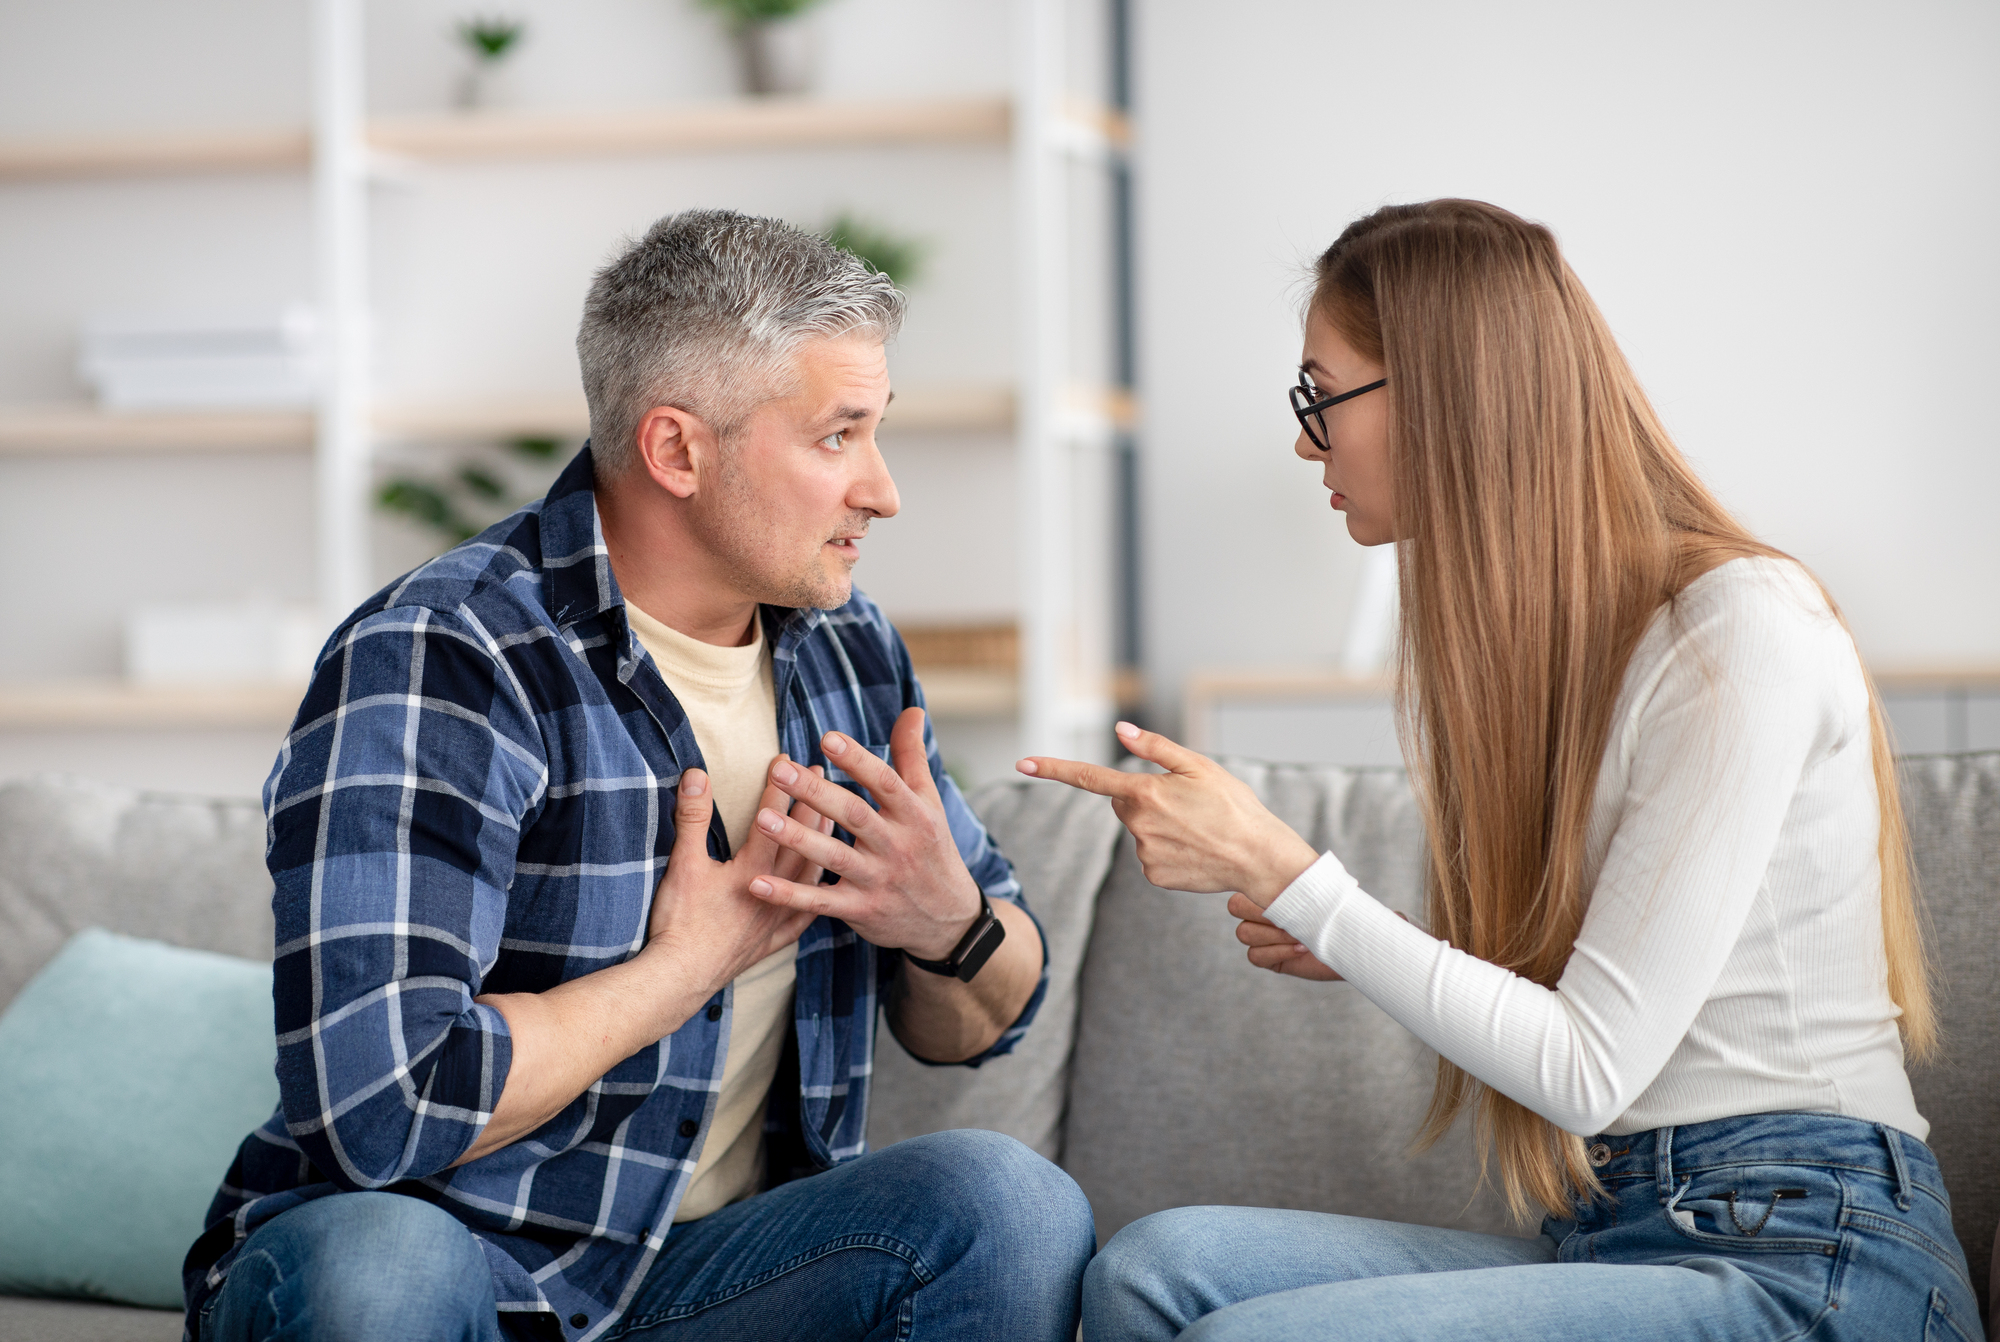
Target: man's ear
x=675 y=448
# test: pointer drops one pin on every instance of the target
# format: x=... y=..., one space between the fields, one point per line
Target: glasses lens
x=1303 y=395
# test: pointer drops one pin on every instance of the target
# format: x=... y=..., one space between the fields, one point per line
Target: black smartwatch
x=974 y=949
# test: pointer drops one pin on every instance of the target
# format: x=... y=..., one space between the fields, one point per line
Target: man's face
x=799 y=482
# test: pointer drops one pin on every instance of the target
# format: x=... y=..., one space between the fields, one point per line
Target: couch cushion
x=184 y=870
x=1953 y=804
x=23 y=1320
x=134 y=1068
x=1060 y=843
x=1199 y=1079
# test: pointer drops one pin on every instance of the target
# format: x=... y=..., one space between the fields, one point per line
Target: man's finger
x=828 y=901
x=906 y=749
x=884 y=784
x=790 y=865
x=1090 y=777
x=760 y=850
x=822 y=850
x=1169 y=755
x=828 y=799
x=691 y=812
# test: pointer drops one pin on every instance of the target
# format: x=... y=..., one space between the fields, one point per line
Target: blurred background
x=288 y=290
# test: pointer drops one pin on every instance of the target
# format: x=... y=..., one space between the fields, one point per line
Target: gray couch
x=1163 y=1072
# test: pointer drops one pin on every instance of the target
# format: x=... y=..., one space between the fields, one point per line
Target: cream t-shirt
x=729 y=698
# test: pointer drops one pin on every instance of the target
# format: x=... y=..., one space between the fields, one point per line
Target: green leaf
x=482 y=482
x=490 y=38
x=536 y=448
x=899 y=258
x=743 y=13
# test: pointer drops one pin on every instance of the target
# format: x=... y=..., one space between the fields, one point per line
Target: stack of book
x=227 y=362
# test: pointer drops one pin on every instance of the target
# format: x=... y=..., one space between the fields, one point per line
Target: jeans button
x=1600 y=1155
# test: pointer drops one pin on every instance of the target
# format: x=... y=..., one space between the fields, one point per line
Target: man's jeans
x=1749 y=1229
x=956 y=1235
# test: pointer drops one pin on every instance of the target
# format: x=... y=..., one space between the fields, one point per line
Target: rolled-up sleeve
x=394 y=814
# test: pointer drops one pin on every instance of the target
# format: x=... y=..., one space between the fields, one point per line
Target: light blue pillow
x=129 y=1073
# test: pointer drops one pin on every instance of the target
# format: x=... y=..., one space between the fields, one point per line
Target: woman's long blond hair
x=1544 y=517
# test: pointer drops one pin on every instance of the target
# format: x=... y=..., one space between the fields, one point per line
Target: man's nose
x=874 y=491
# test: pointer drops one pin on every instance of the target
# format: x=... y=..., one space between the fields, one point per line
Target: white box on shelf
x=208 y=642
x=245 y=360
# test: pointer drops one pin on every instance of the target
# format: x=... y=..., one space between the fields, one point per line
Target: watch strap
x=974 y=949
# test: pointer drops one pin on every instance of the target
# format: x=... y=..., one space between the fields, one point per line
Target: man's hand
x=703 y=932
x=902 y=884
x=703 y=919
x=1197 y=826
x=1272 y=947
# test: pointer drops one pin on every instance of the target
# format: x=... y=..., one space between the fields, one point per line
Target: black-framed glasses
x=1308 y=403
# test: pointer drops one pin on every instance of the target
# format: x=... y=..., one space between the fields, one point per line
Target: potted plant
x=773 y=49
x=899 y=257
x=487 y=41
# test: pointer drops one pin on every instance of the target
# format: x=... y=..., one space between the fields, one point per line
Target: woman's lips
x=1338 y=498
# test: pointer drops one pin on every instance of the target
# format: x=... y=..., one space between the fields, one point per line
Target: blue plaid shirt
x=477 y=796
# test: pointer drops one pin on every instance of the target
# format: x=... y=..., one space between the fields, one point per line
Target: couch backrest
x=1953 y=804
x=1199 y=1079
x=76 y=854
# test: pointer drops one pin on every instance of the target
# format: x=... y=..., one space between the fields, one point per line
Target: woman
x=1676 y=964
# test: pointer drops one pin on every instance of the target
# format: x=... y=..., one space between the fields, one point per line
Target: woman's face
x=1357 y=466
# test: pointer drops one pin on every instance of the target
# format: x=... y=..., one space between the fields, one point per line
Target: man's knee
x=353 y=1264
x=1003 y=1194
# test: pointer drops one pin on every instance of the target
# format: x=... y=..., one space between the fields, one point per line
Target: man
x=534 y=1087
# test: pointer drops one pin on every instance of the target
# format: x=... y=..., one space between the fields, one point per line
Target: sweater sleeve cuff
x=1309 y=905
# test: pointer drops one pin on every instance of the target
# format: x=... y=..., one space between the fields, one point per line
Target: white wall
x=1785 y=210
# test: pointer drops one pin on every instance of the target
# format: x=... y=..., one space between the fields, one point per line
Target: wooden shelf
x=763 y=123
x=42 y=429
x=120 y=704
x=960 y=693
x=153 y=155
x=920 y=409
x=1936 y=679
x=85 y=428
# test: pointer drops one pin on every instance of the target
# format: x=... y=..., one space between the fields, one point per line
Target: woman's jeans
x=956 y=1235
x=1763 y=1227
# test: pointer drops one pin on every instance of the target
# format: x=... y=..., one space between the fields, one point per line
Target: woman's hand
x=1197 y=827
x=1272 y=947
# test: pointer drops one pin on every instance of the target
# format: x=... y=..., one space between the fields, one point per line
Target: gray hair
x=705 y=312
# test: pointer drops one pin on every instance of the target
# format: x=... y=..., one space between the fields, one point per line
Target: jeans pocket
x=1760 y=1209
x=1942 y=1326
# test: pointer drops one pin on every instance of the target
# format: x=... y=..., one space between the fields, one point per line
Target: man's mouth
x=846 y=544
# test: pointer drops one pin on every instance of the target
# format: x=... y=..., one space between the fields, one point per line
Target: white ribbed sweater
x=1731 y=961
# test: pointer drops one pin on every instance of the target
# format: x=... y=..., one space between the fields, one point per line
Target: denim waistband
x=1670 y=1154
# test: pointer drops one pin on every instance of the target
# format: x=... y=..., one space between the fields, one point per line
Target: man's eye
x=835 y=440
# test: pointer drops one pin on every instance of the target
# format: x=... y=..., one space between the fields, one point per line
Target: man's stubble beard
x=738 y=529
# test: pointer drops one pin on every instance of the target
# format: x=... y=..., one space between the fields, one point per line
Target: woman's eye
x=836 y=440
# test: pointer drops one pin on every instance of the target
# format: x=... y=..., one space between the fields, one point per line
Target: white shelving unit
x=1062 y=691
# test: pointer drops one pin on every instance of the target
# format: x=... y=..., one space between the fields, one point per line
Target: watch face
x=982 y=949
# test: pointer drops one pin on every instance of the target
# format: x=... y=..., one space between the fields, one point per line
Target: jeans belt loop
x=1663 y=1162
x=1894 y=1141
